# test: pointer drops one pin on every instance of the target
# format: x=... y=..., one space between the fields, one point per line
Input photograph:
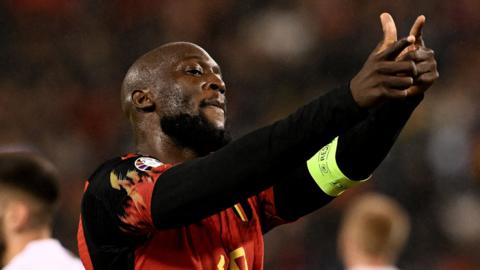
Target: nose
x=216 y=83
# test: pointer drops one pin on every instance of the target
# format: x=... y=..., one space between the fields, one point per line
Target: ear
x=16 y=216
x=143 y=100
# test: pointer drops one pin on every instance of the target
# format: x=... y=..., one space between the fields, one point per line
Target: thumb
x=389 y=32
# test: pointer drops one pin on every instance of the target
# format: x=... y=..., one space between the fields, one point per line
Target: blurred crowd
x=62 y=64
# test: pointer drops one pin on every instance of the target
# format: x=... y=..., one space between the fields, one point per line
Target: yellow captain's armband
x=324 y=170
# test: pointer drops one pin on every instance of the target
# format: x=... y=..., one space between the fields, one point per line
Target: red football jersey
x=116 y=230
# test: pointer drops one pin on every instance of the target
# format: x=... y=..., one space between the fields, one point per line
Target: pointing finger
x=417 y=28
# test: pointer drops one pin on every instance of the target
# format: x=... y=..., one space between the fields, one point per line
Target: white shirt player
x=45 y=254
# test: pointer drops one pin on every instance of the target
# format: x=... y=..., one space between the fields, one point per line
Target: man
x=190 y=199
x=373 y=233
x=28 y=199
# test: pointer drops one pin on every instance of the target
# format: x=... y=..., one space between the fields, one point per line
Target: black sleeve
x=359 y=152
x=198 y=188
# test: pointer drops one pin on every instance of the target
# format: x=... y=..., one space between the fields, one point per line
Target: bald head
x=151 y=69
x=174 y=97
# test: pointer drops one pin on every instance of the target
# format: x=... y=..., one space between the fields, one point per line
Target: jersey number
x=238 y=260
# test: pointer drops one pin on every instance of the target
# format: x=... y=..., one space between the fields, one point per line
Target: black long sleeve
x=198 y=188
x=360 y=151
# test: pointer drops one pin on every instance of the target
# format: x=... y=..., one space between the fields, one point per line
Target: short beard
x=195 y=132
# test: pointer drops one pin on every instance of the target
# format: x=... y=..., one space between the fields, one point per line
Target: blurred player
x=28 y=199
x=373 y=233
x=188 y=198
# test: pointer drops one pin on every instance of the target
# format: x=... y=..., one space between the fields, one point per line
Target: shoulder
x=118 y=195
x=113 y=181
x=131 y=166
x=114 y=164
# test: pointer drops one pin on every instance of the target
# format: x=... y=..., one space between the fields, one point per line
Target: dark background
x=62 y=63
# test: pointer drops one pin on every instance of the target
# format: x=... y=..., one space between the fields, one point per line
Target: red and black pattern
x=118 y=232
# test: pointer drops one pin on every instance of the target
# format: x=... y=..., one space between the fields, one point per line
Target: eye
x=197 y=71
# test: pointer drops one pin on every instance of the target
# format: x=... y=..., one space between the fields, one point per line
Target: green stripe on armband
x=324 y=170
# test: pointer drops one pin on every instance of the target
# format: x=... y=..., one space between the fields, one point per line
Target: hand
x=381 y=77
x=424 y=59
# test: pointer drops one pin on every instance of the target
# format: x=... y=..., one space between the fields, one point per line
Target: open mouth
x=214 y=105
x=215 y=108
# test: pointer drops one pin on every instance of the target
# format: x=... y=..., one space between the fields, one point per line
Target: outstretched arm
x=360 y=150
x=262 y=158
x=357 y=154
x=198 y=188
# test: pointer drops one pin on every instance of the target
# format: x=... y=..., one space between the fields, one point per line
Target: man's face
x=194 y=113
x=195 y=85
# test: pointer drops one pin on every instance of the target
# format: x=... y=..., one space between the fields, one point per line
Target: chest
x=231 y=239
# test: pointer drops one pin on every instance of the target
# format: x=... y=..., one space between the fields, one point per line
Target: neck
x=16 y=242
x=156 y=144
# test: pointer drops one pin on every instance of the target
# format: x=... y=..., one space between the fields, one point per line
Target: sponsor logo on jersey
x=147 y=163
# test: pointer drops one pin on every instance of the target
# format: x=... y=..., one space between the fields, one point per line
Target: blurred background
x=62 y=63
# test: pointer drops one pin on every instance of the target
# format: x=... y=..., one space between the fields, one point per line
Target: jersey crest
x=147 y=163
